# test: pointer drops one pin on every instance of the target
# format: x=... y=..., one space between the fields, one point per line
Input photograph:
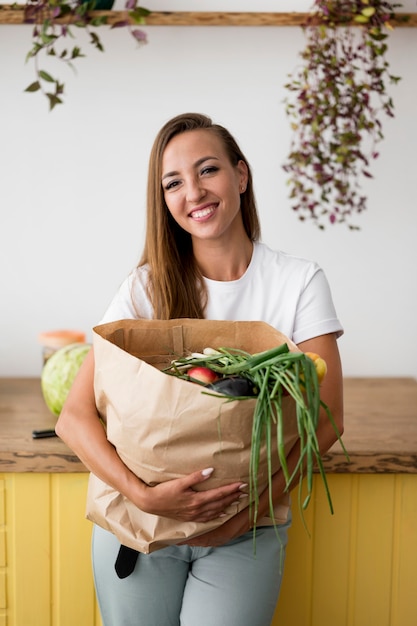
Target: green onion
x=275 y=373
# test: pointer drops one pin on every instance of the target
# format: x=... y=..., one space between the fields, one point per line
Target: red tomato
x=202 y=374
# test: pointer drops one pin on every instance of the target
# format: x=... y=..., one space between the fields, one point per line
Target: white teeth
x=202 y=213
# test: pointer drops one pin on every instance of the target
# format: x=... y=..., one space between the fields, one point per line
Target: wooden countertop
x=22 y=410
x=380 y=429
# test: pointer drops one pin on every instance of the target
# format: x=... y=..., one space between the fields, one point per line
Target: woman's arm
x=331 y=393
x=80 y=427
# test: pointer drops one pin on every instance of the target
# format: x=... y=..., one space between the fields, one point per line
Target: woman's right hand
x=178 y=500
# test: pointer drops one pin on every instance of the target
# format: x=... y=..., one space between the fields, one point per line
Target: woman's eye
x=171 y=185
x=209 y=169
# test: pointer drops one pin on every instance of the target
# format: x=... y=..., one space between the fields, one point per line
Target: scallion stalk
x=275 y=373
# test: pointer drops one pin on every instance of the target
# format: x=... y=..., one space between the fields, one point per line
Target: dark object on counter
x=43 y=434
x=234 y=386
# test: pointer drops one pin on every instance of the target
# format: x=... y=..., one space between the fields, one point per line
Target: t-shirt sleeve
x=316 y=313
x=130 y=301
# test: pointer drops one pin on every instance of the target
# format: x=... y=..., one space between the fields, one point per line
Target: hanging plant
x=54 y=21
x=337 y=98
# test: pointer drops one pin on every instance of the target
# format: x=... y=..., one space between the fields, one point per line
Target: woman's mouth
x=199 y=214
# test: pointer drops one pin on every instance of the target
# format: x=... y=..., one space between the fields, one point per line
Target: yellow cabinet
x=355 y=568
x=46 y=570
x=359 y=566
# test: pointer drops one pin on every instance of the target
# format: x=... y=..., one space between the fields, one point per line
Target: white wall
x=72 y=189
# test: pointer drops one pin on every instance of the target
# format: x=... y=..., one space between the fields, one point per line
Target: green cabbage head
x=59 y=372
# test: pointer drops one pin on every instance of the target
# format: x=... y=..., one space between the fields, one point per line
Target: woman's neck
x=223 y=262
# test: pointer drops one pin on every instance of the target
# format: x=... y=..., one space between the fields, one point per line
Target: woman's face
x=201 y=187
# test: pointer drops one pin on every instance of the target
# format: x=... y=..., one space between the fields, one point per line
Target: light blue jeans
x=188 y=586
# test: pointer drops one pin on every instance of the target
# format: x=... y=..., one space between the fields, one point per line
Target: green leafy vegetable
x=59 y=373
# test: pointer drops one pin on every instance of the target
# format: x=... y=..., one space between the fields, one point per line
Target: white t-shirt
x=289 y=293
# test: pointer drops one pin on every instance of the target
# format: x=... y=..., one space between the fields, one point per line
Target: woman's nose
x=195 y=190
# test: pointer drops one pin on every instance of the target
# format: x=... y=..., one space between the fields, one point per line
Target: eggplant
x=233 y=386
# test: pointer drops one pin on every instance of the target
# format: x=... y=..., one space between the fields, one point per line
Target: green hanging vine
x=53 y=23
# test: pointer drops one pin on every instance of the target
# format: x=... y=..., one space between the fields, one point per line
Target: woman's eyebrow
x=196 y=164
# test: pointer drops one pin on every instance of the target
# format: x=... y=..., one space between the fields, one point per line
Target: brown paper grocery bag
x=164 y=427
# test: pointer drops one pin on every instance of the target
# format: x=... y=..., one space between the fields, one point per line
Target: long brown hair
x=176 y=287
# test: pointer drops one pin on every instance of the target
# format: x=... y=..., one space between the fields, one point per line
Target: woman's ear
x=243 y=175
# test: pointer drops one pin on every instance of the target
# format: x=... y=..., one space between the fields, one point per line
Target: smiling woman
x=203 y=258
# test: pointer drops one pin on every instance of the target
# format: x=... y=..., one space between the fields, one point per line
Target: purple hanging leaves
x=336 y=99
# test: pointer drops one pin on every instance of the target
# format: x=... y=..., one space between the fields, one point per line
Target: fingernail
x=207 y=472
x=243 y=486
x=244 y=495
